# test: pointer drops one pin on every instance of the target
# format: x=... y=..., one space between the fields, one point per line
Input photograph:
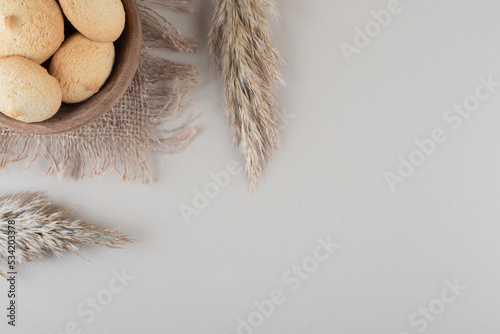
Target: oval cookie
x=98 y=20
x=33 y=29
x=82 y=67
x=27 y=92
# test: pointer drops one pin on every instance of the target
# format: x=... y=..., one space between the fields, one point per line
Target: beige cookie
x=82 y=67
x=30 y=28
x=98 y=20
x=27 y=92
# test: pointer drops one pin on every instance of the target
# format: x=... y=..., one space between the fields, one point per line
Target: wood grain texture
x=71 y=117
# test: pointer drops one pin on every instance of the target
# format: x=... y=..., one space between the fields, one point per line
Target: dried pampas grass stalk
x=42 y=229
x=241 y=47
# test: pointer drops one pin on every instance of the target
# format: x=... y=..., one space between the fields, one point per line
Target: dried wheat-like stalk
x=241 y=47
x=42 y=229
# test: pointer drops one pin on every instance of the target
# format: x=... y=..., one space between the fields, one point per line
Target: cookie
x=33 y=28
x=82 y=66
x=27 y=92
x=98 y=20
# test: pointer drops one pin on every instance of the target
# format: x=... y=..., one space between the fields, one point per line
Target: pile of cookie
x=32 y=39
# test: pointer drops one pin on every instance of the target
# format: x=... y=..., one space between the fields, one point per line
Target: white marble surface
x=424 y=258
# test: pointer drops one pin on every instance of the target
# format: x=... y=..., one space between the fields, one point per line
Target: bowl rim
x=102 y=102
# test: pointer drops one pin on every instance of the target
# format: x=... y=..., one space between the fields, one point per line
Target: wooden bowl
x=73 y=116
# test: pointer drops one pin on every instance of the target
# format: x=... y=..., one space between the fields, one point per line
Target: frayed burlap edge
x=123 y=137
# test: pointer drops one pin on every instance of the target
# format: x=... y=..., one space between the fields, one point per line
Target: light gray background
x=348 y=124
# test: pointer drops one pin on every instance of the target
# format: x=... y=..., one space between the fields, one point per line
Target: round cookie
x=82 y=67
x=98 y=20
x=27 y=92
x=32 y=29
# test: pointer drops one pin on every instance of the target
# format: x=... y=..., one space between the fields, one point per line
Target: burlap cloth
x=138 y=124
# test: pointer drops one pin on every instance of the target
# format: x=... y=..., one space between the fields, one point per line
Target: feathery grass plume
x=243 y=53
x=43 y=229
